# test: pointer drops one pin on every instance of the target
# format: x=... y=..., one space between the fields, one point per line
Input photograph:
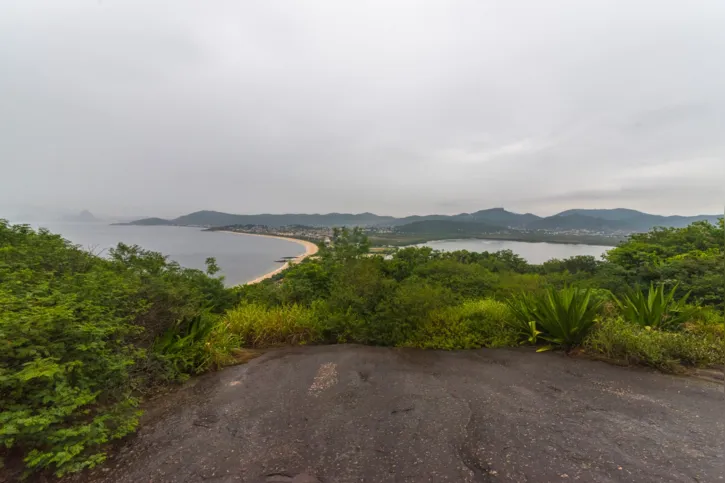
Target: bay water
x=244 y=257
x=538 y=252
x=241 y=257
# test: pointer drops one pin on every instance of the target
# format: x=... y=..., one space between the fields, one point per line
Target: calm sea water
x=242 y=258
x=532 y=252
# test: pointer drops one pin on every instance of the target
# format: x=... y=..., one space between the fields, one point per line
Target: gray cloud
x=398 y=107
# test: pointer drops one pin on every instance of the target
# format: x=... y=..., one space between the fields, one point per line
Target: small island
x=84 y=216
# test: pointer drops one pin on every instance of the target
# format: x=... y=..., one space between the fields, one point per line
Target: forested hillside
x=83 y=339
x=615 y=220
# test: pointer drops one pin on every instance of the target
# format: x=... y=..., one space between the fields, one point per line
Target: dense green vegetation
x=666 y=281
x=85 y=338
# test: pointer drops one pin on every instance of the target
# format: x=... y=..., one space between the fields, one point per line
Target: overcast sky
x=395 y=107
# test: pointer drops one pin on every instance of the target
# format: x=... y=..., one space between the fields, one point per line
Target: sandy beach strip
x=310 y=249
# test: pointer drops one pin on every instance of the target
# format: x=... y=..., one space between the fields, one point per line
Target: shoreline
x=415 y=241
x=552 y=242
x=310 y=249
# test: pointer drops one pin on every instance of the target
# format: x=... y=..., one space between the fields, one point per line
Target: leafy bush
x=400 y=315
x=581 y=263
x=562 y=317
x=358 y=287
x=75 y=338
x=465 y=280
x=707 y=316
x=691 y=256
x=64 y=380
x=656 y=310
x=511 y=284
x=696 y=345
x=305 y=283
x=471 y=325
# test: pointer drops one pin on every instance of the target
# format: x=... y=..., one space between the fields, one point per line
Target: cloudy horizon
x=397 y=108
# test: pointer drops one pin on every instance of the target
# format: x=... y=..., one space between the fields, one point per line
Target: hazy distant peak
x=84 y=216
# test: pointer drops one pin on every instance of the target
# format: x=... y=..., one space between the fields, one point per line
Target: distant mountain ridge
x=216 y=218
x=618 y=220
x=627 y=219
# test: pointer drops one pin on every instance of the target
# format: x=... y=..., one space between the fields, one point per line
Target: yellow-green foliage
x=257 y=326
x=697 y=345
x=707 y=316
x=470 y=325
x=511 y=283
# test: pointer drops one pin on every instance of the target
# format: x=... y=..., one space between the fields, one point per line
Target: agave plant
x=524 y=321
x=561 y=317
x=656 y=310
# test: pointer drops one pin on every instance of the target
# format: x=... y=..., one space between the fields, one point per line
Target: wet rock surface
x=352 y=413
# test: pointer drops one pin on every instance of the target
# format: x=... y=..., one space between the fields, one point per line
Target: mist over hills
x=84 y=216
x=619 y=220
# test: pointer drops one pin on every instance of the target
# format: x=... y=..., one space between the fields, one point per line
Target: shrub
x=706 y=316
x=400 y=315
x=75 y=334
x=358 y=287
x=465 y=280
x=305 y=282
x=65 y=386
x=470 y=325
x=254 y=325
x=696 y=345
x=656 y=310
x=511 y=284
x=562 y=317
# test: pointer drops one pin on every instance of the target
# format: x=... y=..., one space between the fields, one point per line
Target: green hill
x=636 y=220
x=578 y=222
x=500 y=217
x=447 y=227
x=615 y=220
x=148 y=222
